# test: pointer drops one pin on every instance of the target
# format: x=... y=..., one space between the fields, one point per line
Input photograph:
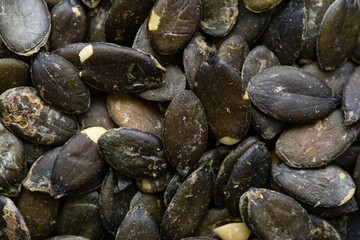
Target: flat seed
x=24 y=26
x=133 y=153
x=30 y=118
x=71 y=170
x=112 y=68
x=124 y=20
x=12 y=223
x=12 y=163
x=233 y=51
x=334 y=48
x=188 y=206
x=175 y=83
x=113 y=206
x=224 y=98
x=316 y=144
x=286 y=220
x=185 y=117
x=130 y=111
x=291 y=95
x=267 y=126
x=313 y=185
x=351 y=103
x=218 y=17
x=285 y=33
x=69 y=15
x=179 y=21
x=14 y=73
x=252 y=169
x=59 y=84
x=137 y=225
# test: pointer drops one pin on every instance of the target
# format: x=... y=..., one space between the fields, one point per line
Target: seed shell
x=313 y=186
x=30 y=118
x=351 y=103
x=24 y=26
x=315 y=144
x=185 y=118
x=291 y=95
x=172 y=24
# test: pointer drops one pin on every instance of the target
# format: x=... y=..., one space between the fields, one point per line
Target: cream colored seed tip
x=94 y=133
x=233 y=231
x=154 y=21
x=85 y=53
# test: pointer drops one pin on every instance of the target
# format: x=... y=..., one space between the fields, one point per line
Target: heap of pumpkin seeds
x=179 y=119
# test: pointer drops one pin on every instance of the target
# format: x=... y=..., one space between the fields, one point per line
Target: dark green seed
x=179 y=19
x=12 y=163
x=133 y=153
x=112 y=68
x=267 y=126
x=69 y=15
x=124 y=19
x=285 y=33
x=71 y=53
x=286 y=219
x=291 y=95
x=323 y=229
x=30 y=118
x=312 y=186
x=348 y=207
x=185 y=118
x=261 y=6
x=137 y=225
x=334 y=48
x=172 y=188
x=59 y=84
x=188 y=206
x=14 y=73
x=24 y=26
x=316 y=144
x=114 y=205
x=71 y=170
x=226 y=103
x=233 y=51
x=218 y=16
x=12 y=223
x=351 y=102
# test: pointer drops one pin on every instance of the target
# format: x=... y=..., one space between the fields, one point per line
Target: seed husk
x=218 y=17
x=226 y=103
x=323 y=229
x=59 y=83
x=315 y=144
x=172 y=188
x=291 y=95
x=130 y=111
x=80 y=216
x=313 y=186
x=12 y=163
x=113 y=205
x=69 y=15
x=124 y=20
x=185 y=117
x=12 y=223
x=233 y=51
x=334 y=48
x=71 y=170
x=285 y=34
x=252 y=169
x=38 y=178
x=40 y=212
x=178 y=19
x=226 y=169
x=188 y=206
x=112 y=68
x=175 y=83
x=137 y=225
x=286 y=220
x=351 y=103
x=133 y=153
x=30 y=118
x=14 y=73
x=336 y=79
x=24 y=26
x=195 y=53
